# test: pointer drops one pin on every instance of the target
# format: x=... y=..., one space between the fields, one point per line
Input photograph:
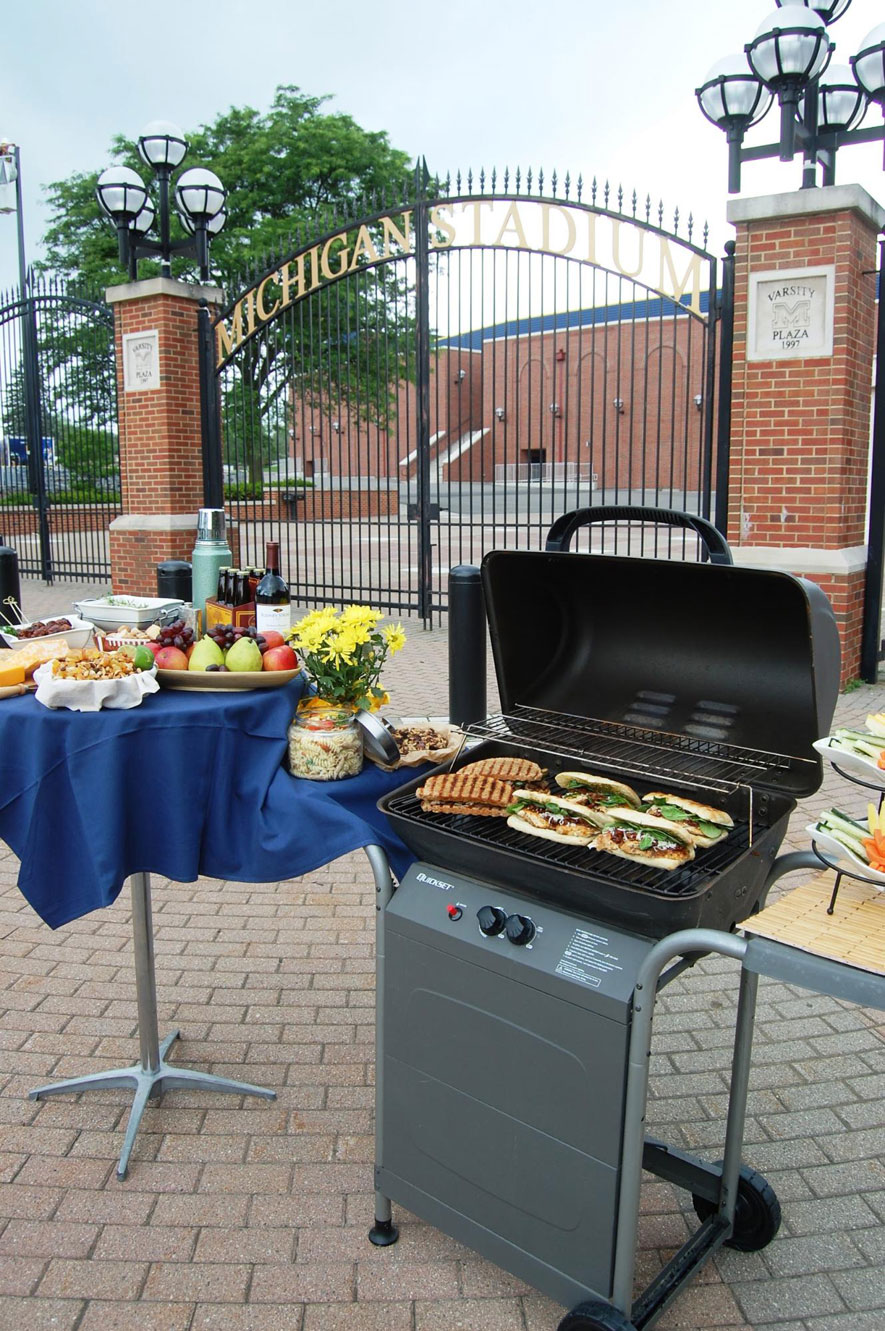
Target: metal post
x=422 y=389
x=213 y=474
x=384 y=1231
x=872 y=613
x=467 y=646
x=33 y=421
x=726 y=352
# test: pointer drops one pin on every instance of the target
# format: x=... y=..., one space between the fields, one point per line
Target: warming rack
x=626 y=750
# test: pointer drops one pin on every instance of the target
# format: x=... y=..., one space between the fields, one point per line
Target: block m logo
x=791 y=316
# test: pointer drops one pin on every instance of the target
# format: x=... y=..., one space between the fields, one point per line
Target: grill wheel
x=757 y=1215
x=595 y=1316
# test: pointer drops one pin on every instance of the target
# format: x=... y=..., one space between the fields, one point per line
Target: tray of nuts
x=87 y=680
x=423 y=742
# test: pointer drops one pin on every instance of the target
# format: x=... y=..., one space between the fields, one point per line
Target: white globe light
x=121 y=193
x=869 y=64
x=162 y=144
x=731 y=91
x=841 y=103
x=790 y=47
x=200 y=194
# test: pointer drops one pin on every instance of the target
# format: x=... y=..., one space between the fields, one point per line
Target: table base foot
x=148 y=1084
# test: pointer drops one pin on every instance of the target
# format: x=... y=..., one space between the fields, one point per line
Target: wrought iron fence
x=58 y=386
x=451 y=371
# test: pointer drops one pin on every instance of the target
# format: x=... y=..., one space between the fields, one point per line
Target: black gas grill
x=516 y=975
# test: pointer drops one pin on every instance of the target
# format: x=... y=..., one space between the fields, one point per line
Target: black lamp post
x=821 y=104
x=198 y=194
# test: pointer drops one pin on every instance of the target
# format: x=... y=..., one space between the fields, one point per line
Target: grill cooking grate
x=624 y=750
x=493 y=835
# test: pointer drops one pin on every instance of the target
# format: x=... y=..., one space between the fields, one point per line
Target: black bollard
x=467 y=646
x=9 y=586
x=175 y=579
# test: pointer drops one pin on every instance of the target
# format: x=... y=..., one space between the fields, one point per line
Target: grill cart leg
x=722 y=1188
x=384 y=1231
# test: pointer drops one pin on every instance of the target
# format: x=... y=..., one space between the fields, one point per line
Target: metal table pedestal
x=152 y=1075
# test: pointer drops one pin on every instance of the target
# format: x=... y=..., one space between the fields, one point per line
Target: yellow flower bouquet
x=344 y=652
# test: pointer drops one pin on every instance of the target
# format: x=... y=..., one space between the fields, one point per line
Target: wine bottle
x=272 y=608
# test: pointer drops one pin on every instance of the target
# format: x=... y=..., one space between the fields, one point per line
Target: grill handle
x=560 y=534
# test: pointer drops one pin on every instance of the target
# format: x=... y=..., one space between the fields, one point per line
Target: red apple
x=189 y=651
x=272 y=639
x=154 y=647
x=279 y=658
x=171 y=658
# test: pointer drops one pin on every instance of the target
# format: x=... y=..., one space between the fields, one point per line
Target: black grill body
x=707 y=680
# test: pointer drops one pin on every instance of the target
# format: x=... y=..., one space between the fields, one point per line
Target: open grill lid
x=743 y=658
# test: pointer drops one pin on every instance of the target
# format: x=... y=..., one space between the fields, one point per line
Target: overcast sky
x=596 y=87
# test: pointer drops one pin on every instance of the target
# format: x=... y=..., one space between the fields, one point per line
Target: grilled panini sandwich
x=639 y=836
x=704 y=824
x=540 y=813
x=465 y=792
x=519 y=770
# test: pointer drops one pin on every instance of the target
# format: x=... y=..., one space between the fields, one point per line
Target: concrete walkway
x=245 y=1216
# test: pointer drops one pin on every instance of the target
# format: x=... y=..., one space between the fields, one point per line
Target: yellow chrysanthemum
x=394 y=637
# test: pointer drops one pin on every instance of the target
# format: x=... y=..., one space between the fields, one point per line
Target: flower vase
x=325 y=741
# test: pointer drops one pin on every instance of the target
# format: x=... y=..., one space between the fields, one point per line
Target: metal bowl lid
x=378 y=741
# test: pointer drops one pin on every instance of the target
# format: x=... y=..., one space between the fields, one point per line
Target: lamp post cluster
x=199 y=198
x=821 y=104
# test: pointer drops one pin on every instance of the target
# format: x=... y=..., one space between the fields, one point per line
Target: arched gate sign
x=451 y=372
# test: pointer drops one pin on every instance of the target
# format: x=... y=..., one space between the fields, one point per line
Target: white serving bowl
x=137 y=613
x=77 y=635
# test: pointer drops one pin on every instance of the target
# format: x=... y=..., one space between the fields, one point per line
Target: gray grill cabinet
x=512 y=1081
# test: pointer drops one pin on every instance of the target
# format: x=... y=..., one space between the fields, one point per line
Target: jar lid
x=378 y=741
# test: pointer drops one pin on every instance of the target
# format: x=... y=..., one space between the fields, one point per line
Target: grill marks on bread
x=465 y=792
x=519 y=770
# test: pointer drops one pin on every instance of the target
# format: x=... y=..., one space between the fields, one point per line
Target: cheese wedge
x=11 y=672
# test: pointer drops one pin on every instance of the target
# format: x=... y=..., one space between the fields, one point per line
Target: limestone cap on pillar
x=164 y=286
x=806 y=203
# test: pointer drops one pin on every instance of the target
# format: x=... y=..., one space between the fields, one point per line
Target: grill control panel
x=515 y=933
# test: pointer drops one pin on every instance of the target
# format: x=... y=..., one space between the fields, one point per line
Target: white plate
x=137 y=613
x=844 y=858
x=77 y=635
x=853 y=763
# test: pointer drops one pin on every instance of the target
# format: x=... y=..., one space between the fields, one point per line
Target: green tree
x=288 y=173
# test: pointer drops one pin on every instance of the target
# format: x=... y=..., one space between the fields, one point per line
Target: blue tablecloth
x=185 y=784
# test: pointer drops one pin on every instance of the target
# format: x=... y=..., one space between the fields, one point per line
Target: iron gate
x=454 y=370
x=59 y=455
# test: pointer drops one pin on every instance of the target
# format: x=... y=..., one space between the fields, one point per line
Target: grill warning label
x=587 y=959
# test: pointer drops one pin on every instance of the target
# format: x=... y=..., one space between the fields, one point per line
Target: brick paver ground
x=241 y=1215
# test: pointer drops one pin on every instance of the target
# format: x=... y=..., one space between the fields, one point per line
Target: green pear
x=205 y=653
x=244 y=655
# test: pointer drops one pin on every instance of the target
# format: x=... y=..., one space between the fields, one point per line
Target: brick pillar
x=805 y=292
x=158 y=392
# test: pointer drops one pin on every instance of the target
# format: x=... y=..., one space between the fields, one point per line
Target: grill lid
x=736 y=656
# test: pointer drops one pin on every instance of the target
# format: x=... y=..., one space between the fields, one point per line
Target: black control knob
x=520 y=929
x=492 y=920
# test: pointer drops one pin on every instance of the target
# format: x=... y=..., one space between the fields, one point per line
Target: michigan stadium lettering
x=668 y=267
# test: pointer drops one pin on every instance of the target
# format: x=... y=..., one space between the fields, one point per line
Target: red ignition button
x=454 y=912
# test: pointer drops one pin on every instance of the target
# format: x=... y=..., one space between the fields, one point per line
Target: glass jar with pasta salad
x=325 y=741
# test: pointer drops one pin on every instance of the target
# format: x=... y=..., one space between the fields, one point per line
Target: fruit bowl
x=221 y=680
